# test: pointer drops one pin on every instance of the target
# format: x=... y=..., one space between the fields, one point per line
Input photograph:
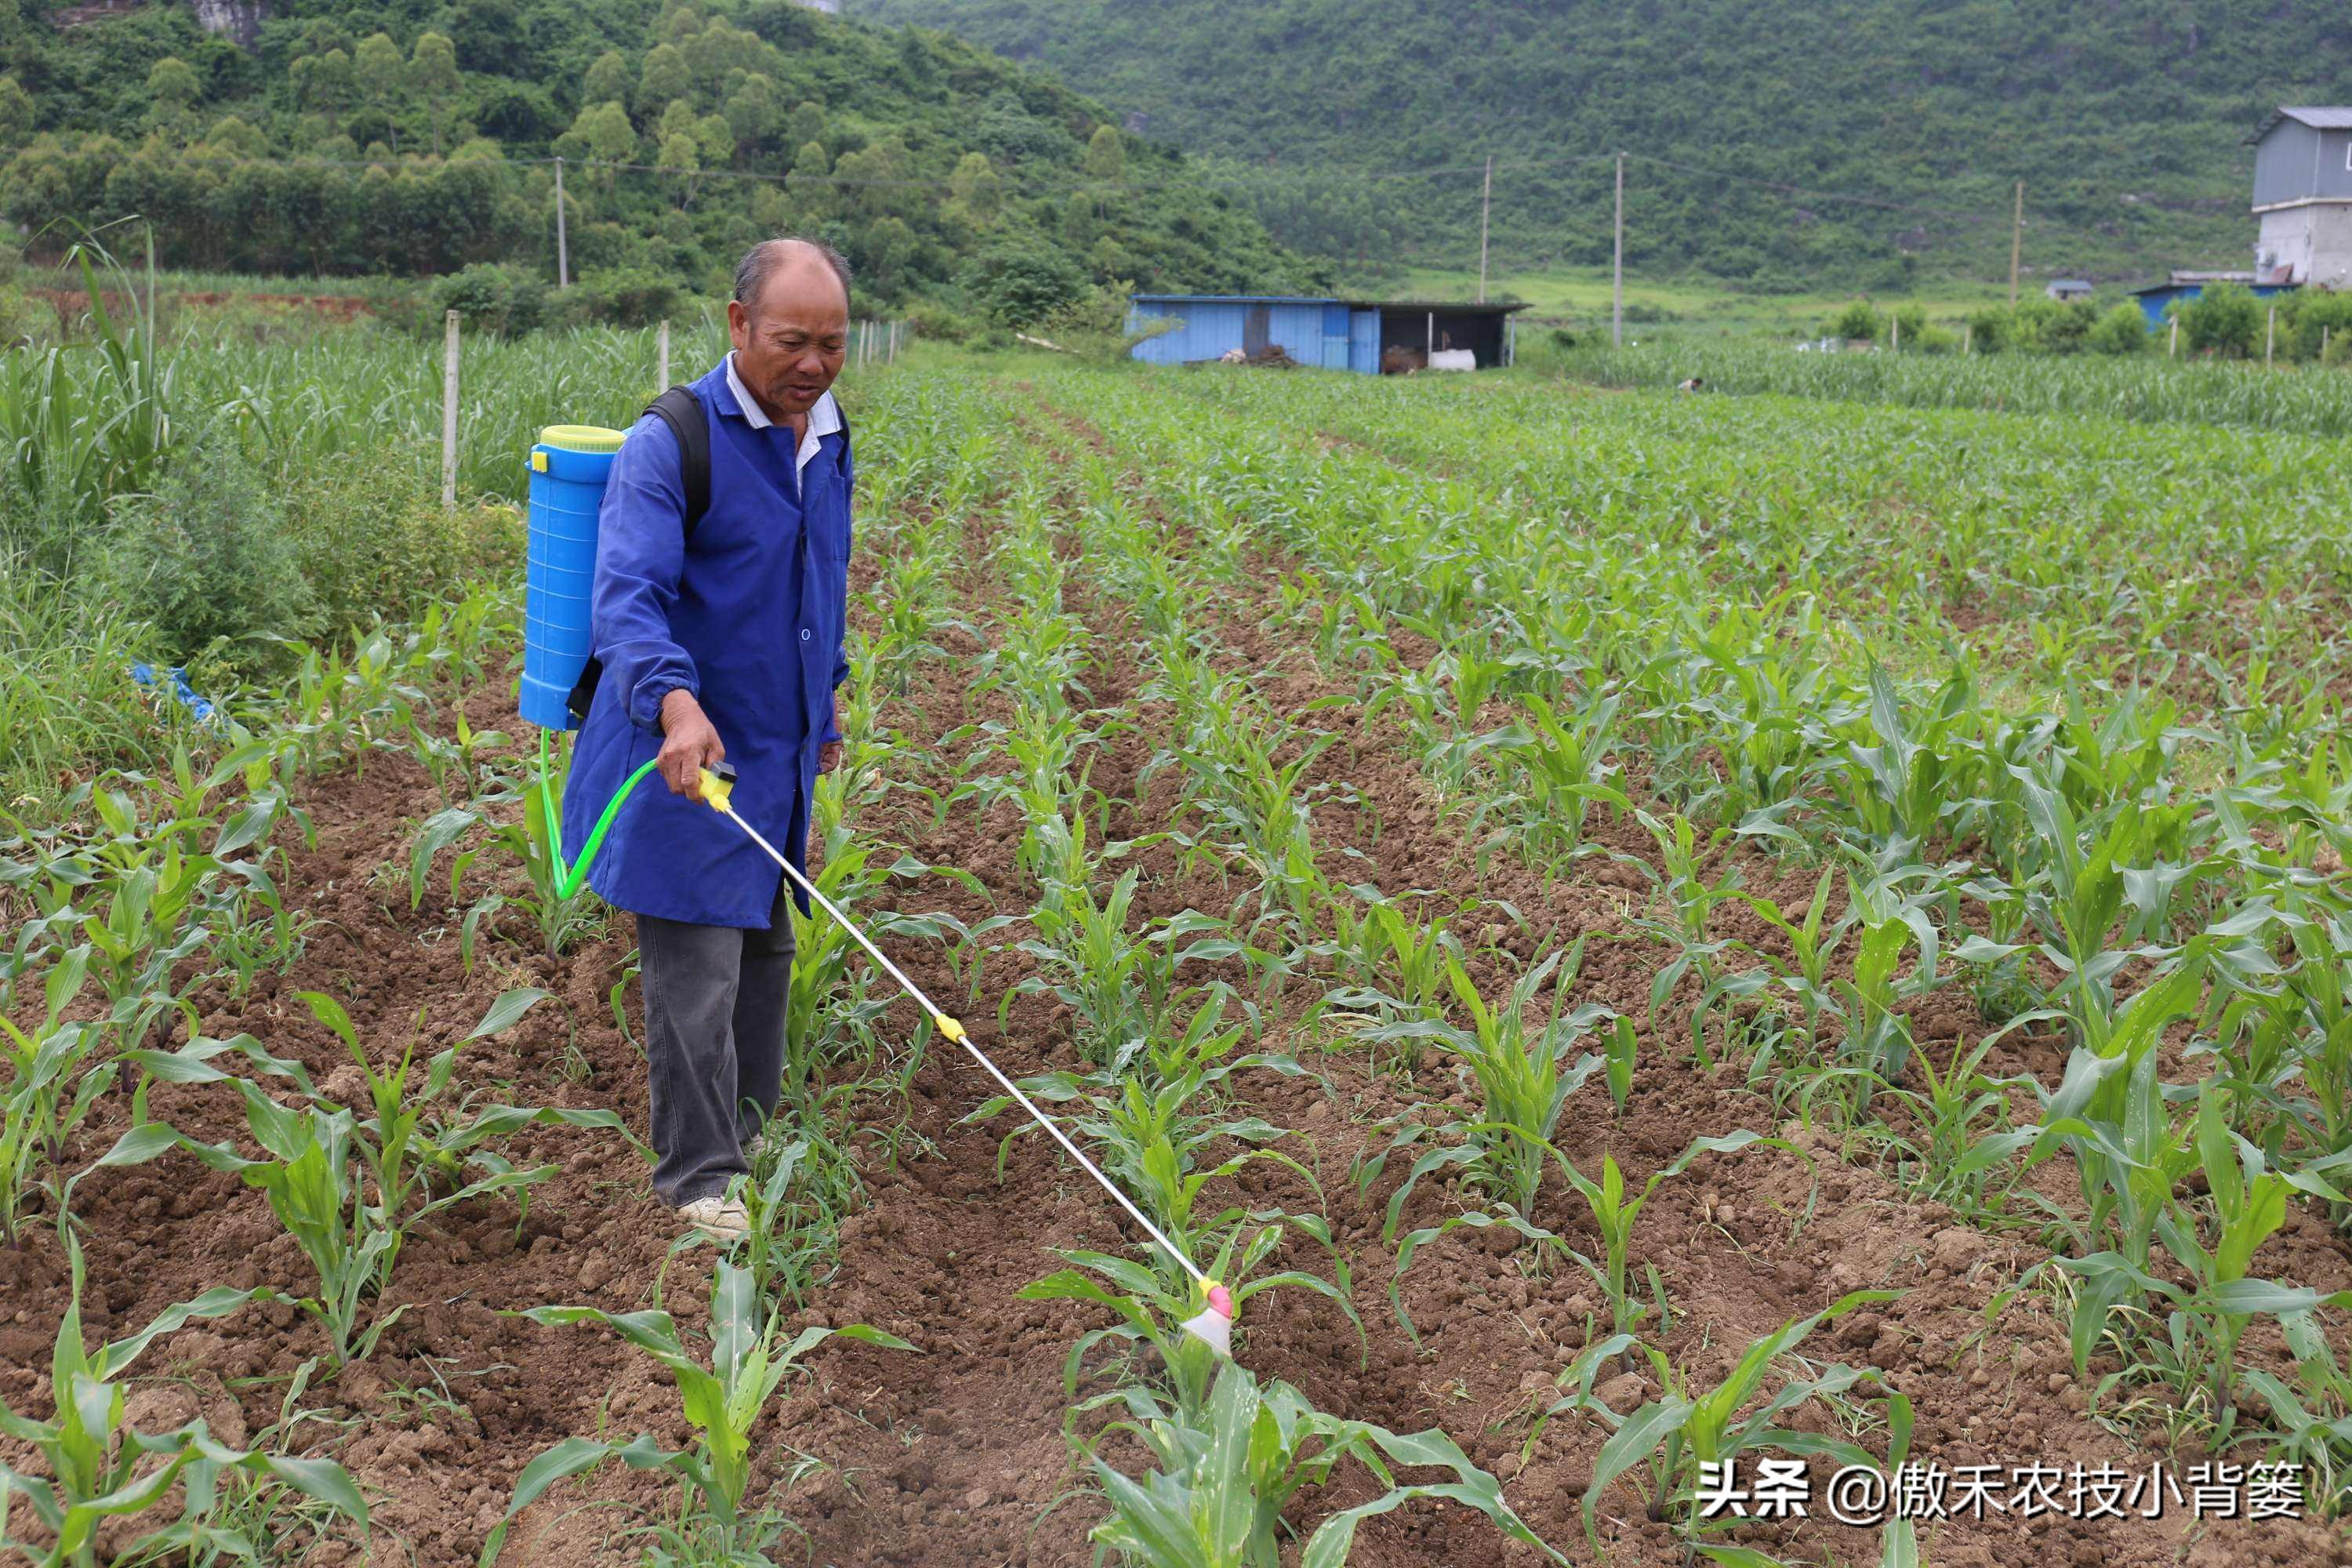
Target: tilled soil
x=959 y=1454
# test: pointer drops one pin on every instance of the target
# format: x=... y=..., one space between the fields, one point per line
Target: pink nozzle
x=1221 y=1302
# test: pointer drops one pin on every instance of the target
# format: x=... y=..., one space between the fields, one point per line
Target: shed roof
x=2182 y=279
x=1237 y=298
x=2336 y=119
x=1455 y=307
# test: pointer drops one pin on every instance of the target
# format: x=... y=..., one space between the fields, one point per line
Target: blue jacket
x=749 y=617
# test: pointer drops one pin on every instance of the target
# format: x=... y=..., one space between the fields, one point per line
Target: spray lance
x=1213 y=1325
x=569 y=468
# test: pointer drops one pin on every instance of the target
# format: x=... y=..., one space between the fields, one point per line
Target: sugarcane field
x=882 y=812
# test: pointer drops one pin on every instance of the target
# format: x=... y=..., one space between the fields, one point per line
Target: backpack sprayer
x=569 y=468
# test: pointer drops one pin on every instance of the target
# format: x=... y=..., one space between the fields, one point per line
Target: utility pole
x=1486 y=206
x=2016 y=243
x=563 y=246
x=1617 y=282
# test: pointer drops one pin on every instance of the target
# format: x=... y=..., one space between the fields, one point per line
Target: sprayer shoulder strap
x=680 y=410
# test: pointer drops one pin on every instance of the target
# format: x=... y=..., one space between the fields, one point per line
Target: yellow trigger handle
x=718 y=788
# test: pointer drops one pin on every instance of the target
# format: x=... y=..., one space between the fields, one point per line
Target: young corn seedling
x=414 y=1144
x=2212 y=1314
x=1223 y=1479
x=1612 y=1208
x=722 y=1397
x=1559 y=761
x=52 y=1084
x=1141 y=1117
x=102 y=1469
x=1515 y=1069
x=1397 y=963
x=1687 y=1427
x=2311 y=1421
x=311 y=1175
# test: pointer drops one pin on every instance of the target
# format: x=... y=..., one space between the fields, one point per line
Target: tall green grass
x=2154 y=390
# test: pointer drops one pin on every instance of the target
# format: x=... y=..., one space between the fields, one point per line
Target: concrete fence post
x=661 y=356
x=449 y=413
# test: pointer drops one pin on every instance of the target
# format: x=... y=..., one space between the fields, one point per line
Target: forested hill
x=2124 y=118
x=415 y=137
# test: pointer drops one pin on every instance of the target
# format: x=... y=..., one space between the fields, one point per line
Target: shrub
x=2310 y=317
x=207 y=558
x=937 y=323
x=2122 y=331
x=368 y=543
x=2224 y=319
x=1018 y=283
x=629 y=296
x=1856 y=322
x=490 y=298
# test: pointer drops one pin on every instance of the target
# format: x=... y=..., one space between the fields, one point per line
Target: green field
x=1632 y=930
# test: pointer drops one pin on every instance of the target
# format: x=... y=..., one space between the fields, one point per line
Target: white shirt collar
x=823 y=417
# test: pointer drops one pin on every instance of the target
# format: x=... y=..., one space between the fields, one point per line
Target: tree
x=806 y=125
x=15 y=112
x=752 y=110
x=975 y=190
x=666 y=79
x=322 y=84
x=607 y=136
x=378 y=65
x=432 y=72
x=1106 y=156
x=173 y=90
x=608 y=80
x=809 y=183
x=884 y=251
x=714 y=140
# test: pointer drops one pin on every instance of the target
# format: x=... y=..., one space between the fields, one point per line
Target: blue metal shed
x=2157 y=297
x=1314 y=329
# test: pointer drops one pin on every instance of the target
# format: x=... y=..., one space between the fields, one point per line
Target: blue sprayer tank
x=568 y=470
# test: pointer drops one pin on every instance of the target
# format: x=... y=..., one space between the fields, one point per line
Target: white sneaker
x=721 y=1220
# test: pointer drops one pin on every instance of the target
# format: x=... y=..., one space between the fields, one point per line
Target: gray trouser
x=715 y=1016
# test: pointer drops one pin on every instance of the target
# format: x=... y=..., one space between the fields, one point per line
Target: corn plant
x=1687 y=1425
x=563 y=909
x=52 y=1084
x=1397 y=963
x=101 y=1468
x=2210 y=1315
x=722 y=1399
x=413 y=1144
x=1514 y=1067
x=2311 y=1420
x=1557 y=758
x=1612 y=1208
x=310 y=1173
x=1144 y=1115
x=1222 y=1481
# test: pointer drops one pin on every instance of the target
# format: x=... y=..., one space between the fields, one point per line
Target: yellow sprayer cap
x=582 y=438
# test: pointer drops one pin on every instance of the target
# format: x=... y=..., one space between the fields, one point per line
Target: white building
x=2302 y=195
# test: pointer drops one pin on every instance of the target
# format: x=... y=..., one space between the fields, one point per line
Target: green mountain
x=416 y=137
x=2124 y=118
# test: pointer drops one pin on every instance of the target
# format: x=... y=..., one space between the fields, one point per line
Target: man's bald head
x=790 y=324
x=792 y=256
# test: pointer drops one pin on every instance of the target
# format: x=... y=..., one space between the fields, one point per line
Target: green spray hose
x=568 y=877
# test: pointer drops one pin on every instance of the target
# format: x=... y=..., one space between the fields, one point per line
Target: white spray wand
x=1213 y=1326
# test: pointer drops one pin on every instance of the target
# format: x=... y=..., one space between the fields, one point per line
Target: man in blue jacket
x=724 y=641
